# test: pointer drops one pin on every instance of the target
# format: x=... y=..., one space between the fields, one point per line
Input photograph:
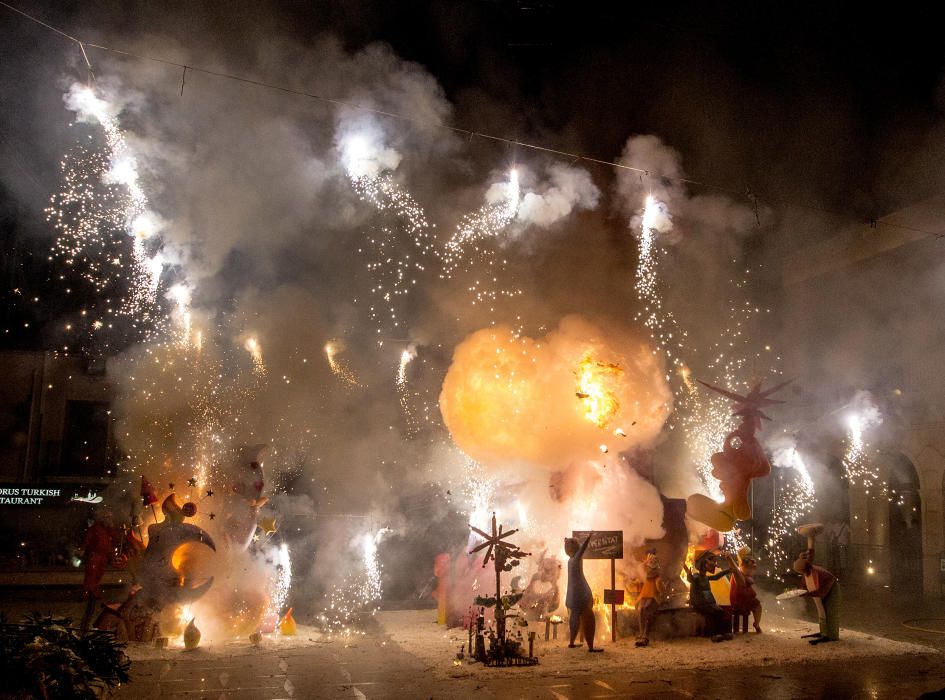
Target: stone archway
x=905 y=527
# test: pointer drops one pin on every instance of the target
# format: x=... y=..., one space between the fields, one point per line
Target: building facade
x=862 y=311
x=57 y=434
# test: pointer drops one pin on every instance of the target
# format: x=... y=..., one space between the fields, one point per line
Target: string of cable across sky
x=746 y=192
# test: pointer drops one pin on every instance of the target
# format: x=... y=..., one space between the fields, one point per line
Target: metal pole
x=751 y=495
x=613 y=604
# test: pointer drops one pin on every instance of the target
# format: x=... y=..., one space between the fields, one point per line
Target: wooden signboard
x=606 y=544
x=613 y=597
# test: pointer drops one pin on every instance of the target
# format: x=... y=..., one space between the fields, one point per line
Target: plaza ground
x=405 y=654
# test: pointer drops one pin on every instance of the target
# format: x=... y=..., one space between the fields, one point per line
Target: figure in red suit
x=97 y=551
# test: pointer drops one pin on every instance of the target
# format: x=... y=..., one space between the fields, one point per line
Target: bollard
x=441 y=569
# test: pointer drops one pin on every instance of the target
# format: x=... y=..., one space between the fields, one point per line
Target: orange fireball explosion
x=555 y=399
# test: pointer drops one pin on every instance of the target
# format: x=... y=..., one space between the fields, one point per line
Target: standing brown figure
x=579 y=600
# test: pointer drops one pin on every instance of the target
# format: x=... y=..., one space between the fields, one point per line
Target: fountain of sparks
x=281 y=583
x=361 y=589
x=477 y=491
x=103 y=224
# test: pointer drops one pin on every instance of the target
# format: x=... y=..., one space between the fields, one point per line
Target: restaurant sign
x=47 y=495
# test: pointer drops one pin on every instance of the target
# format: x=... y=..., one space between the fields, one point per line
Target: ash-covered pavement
x=404 y=654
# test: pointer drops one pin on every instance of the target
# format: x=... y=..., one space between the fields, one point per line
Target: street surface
x=372 y=666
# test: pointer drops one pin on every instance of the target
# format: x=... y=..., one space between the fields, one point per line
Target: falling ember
x=596 y=382
x=338 y=368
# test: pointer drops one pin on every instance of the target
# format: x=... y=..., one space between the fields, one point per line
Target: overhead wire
x=748 y=193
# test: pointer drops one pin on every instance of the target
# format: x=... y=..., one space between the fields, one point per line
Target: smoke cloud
x=567 y=189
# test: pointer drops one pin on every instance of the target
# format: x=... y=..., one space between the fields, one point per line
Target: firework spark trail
x=473 y=250
x=372 y=567
x=338 y=367
x=255 y=352
x=101 y=196
x=406 y=357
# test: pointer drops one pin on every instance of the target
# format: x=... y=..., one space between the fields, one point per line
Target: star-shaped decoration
x=209 y=493
x=213 y=515
x=192 y=481
x=749 y=406
x=495 y=542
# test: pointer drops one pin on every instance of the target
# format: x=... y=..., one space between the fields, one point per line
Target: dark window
x=85 y=440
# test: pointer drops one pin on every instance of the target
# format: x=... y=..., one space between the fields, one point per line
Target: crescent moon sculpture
x=161 y=583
